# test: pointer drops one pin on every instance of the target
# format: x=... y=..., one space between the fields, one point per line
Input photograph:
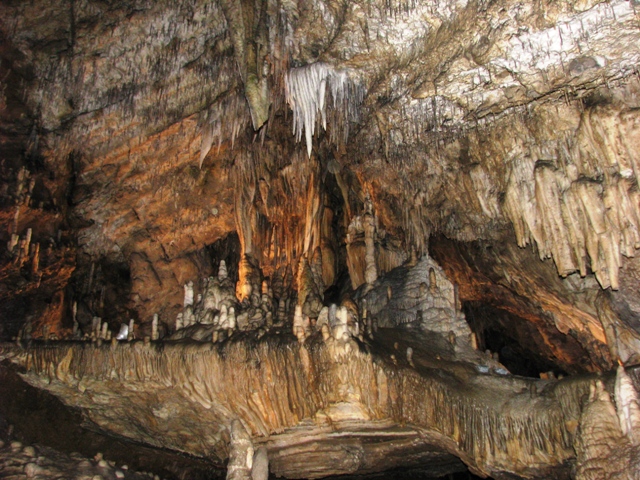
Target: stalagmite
x=123 y=334
x=222 y=271
x=433 y=282
x=35 y=262
x=27 y=241
x=410 y=356
x=154 y=327
x=131 y=334
x=341 y=327
x=188 y=294
x=600 y=438
x=298 y=324
x=323 y=318
x=628 y=407
x=21 y=256
x=224 y=318
x=474 y=341
x=13 y=242
x=188 y=316
x=326 y=332
x=103 y=333
x=240 y=453
x=95 y=327
x=232 y=318
x=260 y=468
x=282 y=311
x=369 y=225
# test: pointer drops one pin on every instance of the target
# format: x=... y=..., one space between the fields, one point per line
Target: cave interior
x=254 y=239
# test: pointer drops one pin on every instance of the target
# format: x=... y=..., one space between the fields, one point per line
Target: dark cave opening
x=101 y=289
x=227 y=249
x=511 y=337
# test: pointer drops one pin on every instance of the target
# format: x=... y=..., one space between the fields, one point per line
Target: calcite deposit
x=324 y=238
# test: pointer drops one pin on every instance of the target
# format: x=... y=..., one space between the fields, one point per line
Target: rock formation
x=279 y=232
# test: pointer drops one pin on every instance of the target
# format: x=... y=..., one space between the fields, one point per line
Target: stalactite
x=247 y=26
x=578 y=211
x=307 y=89
x=223 y=123
x=131 y=332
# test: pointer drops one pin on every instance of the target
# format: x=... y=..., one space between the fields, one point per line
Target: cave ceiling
x=187 y=169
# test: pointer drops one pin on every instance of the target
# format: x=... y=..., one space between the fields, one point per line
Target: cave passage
x=504 y=334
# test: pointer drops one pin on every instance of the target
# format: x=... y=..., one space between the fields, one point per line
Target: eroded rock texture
x=313 y=217
x=313 y=398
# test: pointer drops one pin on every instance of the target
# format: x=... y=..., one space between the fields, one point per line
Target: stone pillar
x=369 y=225
x=241 y=453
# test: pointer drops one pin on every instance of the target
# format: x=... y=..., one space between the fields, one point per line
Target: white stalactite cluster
x=306 y=91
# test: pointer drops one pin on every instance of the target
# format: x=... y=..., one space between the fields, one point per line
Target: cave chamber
x=285 y=239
